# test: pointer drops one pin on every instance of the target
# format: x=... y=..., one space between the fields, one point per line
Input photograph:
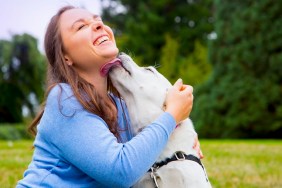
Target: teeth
x=100 y=40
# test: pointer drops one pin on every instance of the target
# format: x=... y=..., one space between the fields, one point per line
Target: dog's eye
x=149 y=69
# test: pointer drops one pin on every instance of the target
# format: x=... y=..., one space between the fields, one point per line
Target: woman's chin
x=111 y=53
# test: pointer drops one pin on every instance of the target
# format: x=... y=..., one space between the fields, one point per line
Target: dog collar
x=177 y=156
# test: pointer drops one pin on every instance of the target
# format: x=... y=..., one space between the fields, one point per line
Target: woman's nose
x=97 y=25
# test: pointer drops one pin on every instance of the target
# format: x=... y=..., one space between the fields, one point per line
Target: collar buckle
x=179 y=156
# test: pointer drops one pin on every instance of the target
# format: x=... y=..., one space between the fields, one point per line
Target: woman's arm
x=84 y=140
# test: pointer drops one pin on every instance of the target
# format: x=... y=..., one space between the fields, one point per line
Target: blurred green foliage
x=193 y=69
x=22 y=71
x=231 y=51
x=16 y=131
x=165 y=33
x=242 y=98
x=237 y=73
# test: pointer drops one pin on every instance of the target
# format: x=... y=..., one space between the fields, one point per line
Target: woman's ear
x=68 y=60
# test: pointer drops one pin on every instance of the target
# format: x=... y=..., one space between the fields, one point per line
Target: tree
x=194 y=69
x=144 y=29
x=22 y=71
x=242 y=98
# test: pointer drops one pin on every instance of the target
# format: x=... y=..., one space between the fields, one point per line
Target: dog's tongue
x=104 y=70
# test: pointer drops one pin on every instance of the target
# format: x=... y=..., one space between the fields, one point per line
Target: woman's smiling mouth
x=100 y=40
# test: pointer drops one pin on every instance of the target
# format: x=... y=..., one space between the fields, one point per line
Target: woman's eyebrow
x=79 y=20
x=95 y=16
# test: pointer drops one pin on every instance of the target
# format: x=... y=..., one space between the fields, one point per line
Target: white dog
x=144 y=91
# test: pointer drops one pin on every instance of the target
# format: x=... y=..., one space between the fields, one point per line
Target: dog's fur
x=144 y=91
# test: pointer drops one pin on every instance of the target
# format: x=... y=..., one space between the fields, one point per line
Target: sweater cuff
x=168 y=120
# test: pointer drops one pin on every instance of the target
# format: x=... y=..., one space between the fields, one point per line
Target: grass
x=229 y=163
x=243 y=163
x=14 y=158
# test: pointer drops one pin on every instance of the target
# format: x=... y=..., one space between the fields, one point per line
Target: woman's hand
x=196 y=146
x=179 y=101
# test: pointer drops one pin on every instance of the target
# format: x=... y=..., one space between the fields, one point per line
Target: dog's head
x=142 y=88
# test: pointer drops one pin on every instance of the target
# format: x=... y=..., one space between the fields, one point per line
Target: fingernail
x=179 y=80
x=201 y=154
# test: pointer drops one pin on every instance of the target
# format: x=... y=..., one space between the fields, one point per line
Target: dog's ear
x=164 y=107
x=139 y=130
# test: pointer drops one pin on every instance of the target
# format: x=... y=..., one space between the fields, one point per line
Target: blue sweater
x=74 y=148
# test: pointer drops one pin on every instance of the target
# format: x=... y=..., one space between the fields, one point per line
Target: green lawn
x=229 y=163
x=14 y=158
x=243 y=163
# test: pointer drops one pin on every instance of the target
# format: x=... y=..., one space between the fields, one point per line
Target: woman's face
x=88 y=43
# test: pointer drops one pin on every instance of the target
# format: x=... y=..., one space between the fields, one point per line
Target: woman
x=83 y=137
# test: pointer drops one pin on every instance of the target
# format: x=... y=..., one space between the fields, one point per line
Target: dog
x=179 y=164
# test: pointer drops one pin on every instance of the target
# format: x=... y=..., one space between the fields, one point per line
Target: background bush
x=230 y=51
x=13 y=132
x=242 y=98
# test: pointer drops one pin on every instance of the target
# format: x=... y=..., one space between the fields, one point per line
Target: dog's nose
x=122 y=53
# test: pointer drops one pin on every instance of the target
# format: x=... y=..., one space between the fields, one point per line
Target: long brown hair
x=59 y=72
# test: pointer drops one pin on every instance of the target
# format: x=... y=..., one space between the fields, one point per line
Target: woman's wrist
x=173 y=114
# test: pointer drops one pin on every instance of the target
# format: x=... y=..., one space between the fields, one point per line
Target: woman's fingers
x=188 y=88
x=196 y=146
x=196 y=141
x=179 y=100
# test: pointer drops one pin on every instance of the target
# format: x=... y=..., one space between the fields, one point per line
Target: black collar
x=178 y=156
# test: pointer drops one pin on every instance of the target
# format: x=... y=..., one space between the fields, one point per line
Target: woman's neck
x=98 y=81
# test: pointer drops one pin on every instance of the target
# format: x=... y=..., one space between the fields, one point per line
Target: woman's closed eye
x=81 y=26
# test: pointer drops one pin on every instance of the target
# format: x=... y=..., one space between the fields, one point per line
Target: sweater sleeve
x=84 y=140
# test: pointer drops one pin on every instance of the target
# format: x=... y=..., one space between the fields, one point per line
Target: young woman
x=83 y=136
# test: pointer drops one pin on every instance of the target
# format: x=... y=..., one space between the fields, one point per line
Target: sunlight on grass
x=243 y=163
x=229 y=163
x=14 y=158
